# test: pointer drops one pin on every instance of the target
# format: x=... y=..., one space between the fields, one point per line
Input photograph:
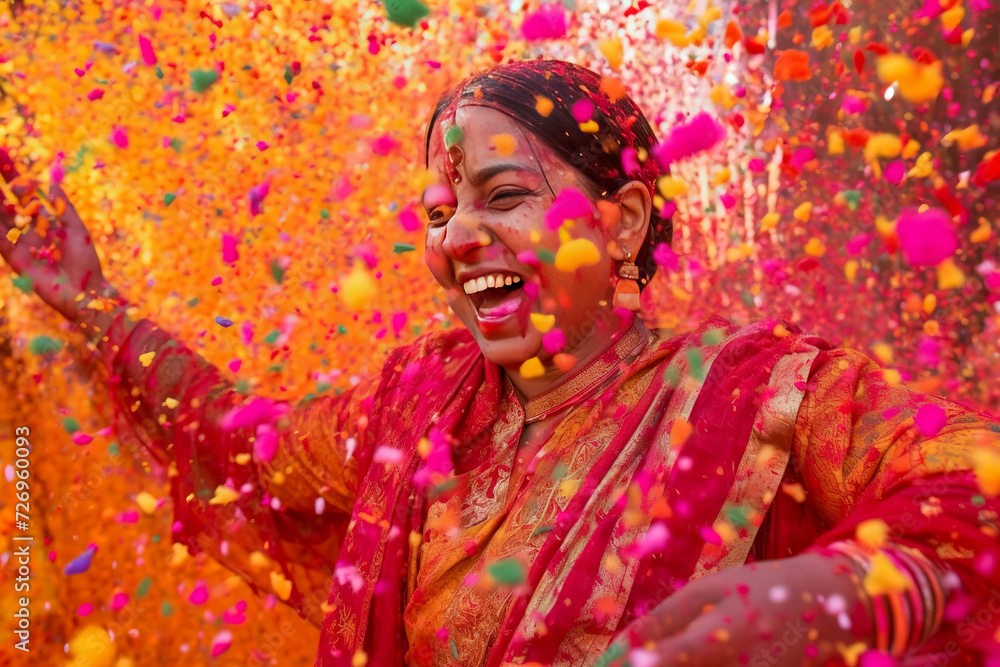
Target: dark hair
x=513 y=88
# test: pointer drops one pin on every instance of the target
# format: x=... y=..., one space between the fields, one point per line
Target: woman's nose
x=464 y=233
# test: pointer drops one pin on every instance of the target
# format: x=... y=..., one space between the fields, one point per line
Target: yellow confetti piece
x=952 y=17
x=359 y=659
x=873 y=532
x=949 y=276
x=883 y=352
x=12 y=234
x=815 y=248
x=795 y=490
x=576 y=253
x=680 y=431
x=723 y=176
x=930 y=303
x=893 y=378
x=146 y=502
x=569 y=487
x=612 y=50
x=590 y=127
x=769 y=221
x=923 y=167
x=147 y=358
x=242 y=458
x=543 y=322
x=983 y=232
x=224 y=495
x=780 y=331
x=91 y=646
x=532 y=368
x=179 y=555
x=852 y=653
x=505 y=144
x=358 y=289
x=883 y=145
x=986 y=466
x=918 y=83
x=851 y=269
x=835 y=143
x=721 y=96
x=260 y=560
x=281 y=585
x=674 y=31
x=415 y=539
x=932 y=328
x=543 y=105
x=670 y=187
x=612 y=563
x=803 y=211
x=885 y=577
x=424 y=448
x=171 y=403
x=968 y=138
x=822 y=37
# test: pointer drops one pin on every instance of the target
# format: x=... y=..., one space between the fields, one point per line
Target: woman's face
x=486 y=228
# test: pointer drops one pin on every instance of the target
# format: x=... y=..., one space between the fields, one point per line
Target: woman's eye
x=507 y=194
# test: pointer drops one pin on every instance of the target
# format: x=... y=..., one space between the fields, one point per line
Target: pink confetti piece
x=654 y=540
x=131 y=516
x=146 y=49
x=583 y=110
x=665 y=257
x=699 y=134
x=895 y=172
x=199 y=595
x=86 y=609
x=927 y=238
x=930 y=419
x=235 y=364
x=387 y=455
x=119 y=137
x=118 y=601
x=709 y=535
x=265 y=446
x=570 y=204
x=409 y=220
x=221 y=642
x=630 y=162
x=229 y=252
x=228 y=109
x=384 y=145
x=548 y=22
x=252 y=414
x=554 y=340
x=257 y=195
x=262 y=146
x=95 y=94
x=81 y=438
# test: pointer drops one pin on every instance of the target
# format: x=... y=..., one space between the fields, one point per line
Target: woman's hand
x=804 y=610
x=55 y=252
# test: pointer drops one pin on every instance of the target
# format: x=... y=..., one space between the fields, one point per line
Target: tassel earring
x=627 y=289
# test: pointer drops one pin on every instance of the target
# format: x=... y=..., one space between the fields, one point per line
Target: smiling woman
x=556 y=475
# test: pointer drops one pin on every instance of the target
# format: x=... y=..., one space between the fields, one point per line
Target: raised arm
x=264 y=487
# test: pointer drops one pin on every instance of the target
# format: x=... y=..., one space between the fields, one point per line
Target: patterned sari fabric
x=403 y=517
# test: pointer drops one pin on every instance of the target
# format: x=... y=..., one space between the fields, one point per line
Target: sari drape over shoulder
x=413 y=529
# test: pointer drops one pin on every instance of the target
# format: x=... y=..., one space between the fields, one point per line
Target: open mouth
x=489 y=293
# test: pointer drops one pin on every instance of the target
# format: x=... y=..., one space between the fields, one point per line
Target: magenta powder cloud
x=927 y=238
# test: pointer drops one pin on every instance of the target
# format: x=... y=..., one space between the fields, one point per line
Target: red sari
x=437 y=541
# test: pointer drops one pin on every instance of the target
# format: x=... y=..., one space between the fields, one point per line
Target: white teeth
x=486 y=282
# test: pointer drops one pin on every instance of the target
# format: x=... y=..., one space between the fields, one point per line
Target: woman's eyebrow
x=486 y=173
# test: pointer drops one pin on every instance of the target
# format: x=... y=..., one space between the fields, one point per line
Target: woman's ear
x=636 y=207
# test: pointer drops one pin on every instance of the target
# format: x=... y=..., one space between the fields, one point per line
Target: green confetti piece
x=400 y=248
x=243 y=386
x=193 y=302
x=978 y=501
x=169 y=198
x=325 y=214
x=507 y=571
x=853 y=198
x=202 y=79
x=44 y=345
x=405 y=12
x=695 y=361
x=454 y=648
x=570 y=5
x=737 y=516
x=271 y=337
x=24 y=283
x=711 y=337
x=541 y=530
x=144 y=587
x=323 y=386
x=560 y=470
x=747 y=298
x=289 y=75
x=275 y=368
x=672 y=376
x=156 y=539
x=166 y=608
x=277 y=272
x=341 y=329
x=159 y=73
x=176 y=144
x=545 y=256
x=71 y=425
x=113 y=449
x=453 y=136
